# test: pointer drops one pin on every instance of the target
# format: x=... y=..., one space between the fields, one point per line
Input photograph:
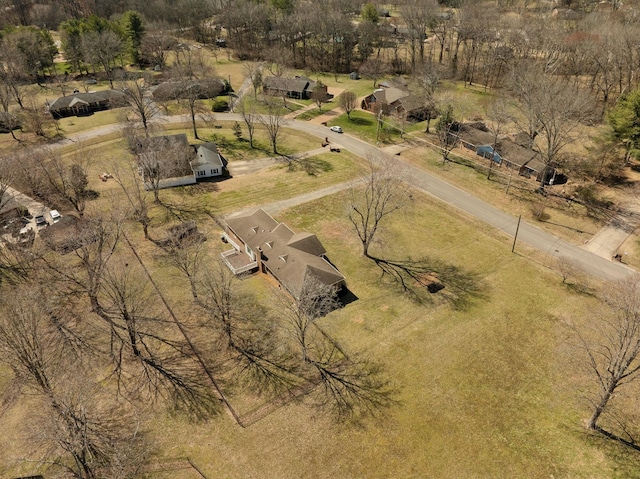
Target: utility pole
x=516 y=235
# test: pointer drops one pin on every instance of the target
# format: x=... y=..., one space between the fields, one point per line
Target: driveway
x=528 y=234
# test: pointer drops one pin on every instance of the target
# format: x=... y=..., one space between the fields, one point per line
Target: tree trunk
x=599 y=409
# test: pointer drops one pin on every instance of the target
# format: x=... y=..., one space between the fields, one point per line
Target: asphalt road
x=528 y=234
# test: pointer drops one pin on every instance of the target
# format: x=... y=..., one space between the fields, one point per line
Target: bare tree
x=66 y=181
x=554 y=111
x=614 y=354
x=379 y=194
x=102 y=48
x=273 y=121
x=447 y=136
x=348 y=102
x=250 y=118
x=374 y=68
x=427 y=80
x=137 y=197
x=136 y=93
x=499 y=116
x=319 y=94
x=155 y=47
x=253 y=72
x=159 y=158
x=194 y=81
x=348 y=387
x=253 y=346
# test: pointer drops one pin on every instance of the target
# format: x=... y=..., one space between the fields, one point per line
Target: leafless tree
x=155 y=47
x=348 y=387
x=87 y=435
x=36 y=119
x=427 y=80
x=159 y=158
x=447 y=136
x=499 y=116
x=253 y=72
x=613 y=350
x=194 y=81
x=554 y=111
x=137 y=197
x=65 y=181
x=273 y=121
x=277 y=66
x=250 y=118
x=374 y=68
x=378 y=194
x=348 y=102
x=141 y=104
x=102 y=48
x=252 y=344
x=418 y=15
x=319 y=94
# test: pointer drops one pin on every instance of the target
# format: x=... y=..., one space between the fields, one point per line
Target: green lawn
x=364 y=125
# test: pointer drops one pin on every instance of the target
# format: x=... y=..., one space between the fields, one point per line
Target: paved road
x=528 y=234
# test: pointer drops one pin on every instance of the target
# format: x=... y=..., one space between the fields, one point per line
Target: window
x=214 y=171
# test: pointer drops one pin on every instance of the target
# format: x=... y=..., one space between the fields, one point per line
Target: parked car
x=41 y=222
x=336 y=129
x=55 y=216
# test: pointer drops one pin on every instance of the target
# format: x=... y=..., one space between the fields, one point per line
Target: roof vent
x=284 y=257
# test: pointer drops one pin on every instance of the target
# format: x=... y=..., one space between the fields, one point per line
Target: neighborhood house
x=394 y=98
x=172 y=161
x=508 y=152
x=262 y=244
x=86 y=103
x=298 y=87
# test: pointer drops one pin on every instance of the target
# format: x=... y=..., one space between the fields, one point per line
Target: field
x=490 y=390
x=495 y=387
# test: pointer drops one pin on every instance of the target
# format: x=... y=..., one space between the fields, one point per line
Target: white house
x=208 y=161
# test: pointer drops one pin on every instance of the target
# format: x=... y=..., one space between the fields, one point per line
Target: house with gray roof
x=177 y=163
x=262 y=244
x=79 y=104
x=298 y=87
x=395 y=99
x=208 y=161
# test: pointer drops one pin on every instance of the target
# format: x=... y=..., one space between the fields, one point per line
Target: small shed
x=354 y=76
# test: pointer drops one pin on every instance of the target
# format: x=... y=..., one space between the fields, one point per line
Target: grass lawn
x=562 y=218
x=364 y=125
x=486 y=391
x=74 y=124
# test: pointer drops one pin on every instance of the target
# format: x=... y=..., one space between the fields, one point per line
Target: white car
x=336 y=129
x=55 y=216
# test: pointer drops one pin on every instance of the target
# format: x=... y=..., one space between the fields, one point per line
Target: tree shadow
x=361 y=121
x=425 y=277
x=627 y=442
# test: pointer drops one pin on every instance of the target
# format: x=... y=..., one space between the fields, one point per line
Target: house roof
x=394 y=94
x=289 y=256
x=395 y=82
x=165 y=141
x=297 y=84
x=411 y=103
x=473 y=135
x=85 y=98
x=207 y=154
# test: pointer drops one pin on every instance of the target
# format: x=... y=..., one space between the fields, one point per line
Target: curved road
x=443 y=191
